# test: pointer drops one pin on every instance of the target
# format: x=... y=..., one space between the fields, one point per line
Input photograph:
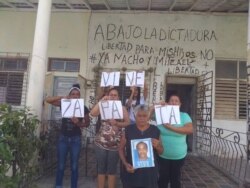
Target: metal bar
x=106 y=4
x=86 y=2
x=149 y=4
x=128 y=6
x=7 y=3
x=193 y=5
x=172 y=5
x=217 y=5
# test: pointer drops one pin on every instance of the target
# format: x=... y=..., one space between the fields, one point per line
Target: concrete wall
x=72 y=36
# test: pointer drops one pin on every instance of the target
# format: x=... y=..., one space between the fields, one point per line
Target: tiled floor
x=196 y=174
x=199 y=174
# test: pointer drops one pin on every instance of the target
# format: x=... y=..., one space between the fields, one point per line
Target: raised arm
x=54 y=100
x=145 y=92
x=95 y=111
x=130 y=99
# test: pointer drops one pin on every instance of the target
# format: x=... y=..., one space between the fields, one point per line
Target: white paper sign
x=72 y=108
x=167 y=114
x=110 y=79
x=134 y=78
x=111 y=109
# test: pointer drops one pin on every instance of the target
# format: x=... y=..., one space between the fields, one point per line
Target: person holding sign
x=173 y=138
x=70 y=138
x=143 y=176
x=134 y=100
x=113 y=118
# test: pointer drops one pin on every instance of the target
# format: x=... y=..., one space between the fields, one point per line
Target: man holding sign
x=113 y=118
x=70 y=137
x=174 y=130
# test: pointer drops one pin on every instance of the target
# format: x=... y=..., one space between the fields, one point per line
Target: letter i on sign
x=110 y=79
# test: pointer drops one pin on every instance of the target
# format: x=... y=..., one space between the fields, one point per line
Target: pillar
x=39 y=58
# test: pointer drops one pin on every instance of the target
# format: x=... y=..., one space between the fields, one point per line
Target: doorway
x=61 y=88
x=186 y=89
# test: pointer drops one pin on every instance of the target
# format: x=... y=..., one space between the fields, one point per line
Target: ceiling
x=225 y=6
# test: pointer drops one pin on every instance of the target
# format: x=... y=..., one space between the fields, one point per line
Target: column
x=39 y=58
x=247 y=178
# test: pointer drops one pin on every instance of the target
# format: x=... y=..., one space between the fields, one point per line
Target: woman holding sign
x=70 y=138
x=140 y=170
x=114 y=117
x=135 y=99
x=175 y=147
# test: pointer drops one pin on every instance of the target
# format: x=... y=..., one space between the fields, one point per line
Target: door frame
x=192 y=81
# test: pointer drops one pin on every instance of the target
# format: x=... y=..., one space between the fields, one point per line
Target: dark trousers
x=170 y=172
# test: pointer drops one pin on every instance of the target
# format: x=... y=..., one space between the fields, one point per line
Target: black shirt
x=142 y=177
x=69 y=128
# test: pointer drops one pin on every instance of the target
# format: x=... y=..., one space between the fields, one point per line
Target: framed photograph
x=142 y=153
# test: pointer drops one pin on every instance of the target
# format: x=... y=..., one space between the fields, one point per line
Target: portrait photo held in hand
x=142 y=153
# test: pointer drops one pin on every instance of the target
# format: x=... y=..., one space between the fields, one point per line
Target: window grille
x=13 y=80
x=64 y=65
x=230 y=90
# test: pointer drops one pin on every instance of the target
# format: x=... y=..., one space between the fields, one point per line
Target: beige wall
x=232 y=35
x=68 y=36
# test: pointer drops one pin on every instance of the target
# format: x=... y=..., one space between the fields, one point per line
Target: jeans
x=67 y=145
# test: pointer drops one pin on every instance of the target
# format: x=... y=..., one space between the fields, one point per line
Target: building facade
x=200 y=56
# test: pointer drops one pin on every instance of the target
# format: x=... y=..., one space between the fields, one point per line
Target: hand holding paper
x=167 y=114
x=111 y=109
x=72 y=108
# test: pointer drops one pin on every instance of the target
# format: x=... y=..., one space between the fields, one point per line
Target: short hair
x=141 y=143
x=141 y=107
x=75 y=87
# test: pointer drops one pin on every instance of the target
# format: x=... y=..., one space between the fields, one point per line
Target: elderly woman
x=107 y=140
x=141 y=177
x=70 y=138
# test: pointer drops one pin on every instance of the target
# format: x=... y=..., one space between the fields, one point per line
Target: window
x=64 y=65
x=12 y=77
x=230 y=89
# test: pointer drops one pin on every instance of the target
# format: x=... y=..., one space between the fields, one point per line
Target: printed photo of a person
x=142 y=153
x=142 y=149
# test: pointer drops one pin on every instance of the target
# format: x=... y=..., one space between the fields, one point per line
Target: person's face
x=113 y=95
x=174 y=100
x=142 y=152
x=141 y=118
x=74 y=94
x=136 y=92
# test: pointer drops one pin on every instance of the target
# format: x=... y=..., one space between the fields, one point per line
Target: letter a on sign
x=167 y=114
x=110 y=79
x=72 y=108
x=111 y=110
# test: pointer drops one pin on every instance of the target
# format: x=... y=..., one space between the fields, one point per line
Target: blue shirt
x=174 y=144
